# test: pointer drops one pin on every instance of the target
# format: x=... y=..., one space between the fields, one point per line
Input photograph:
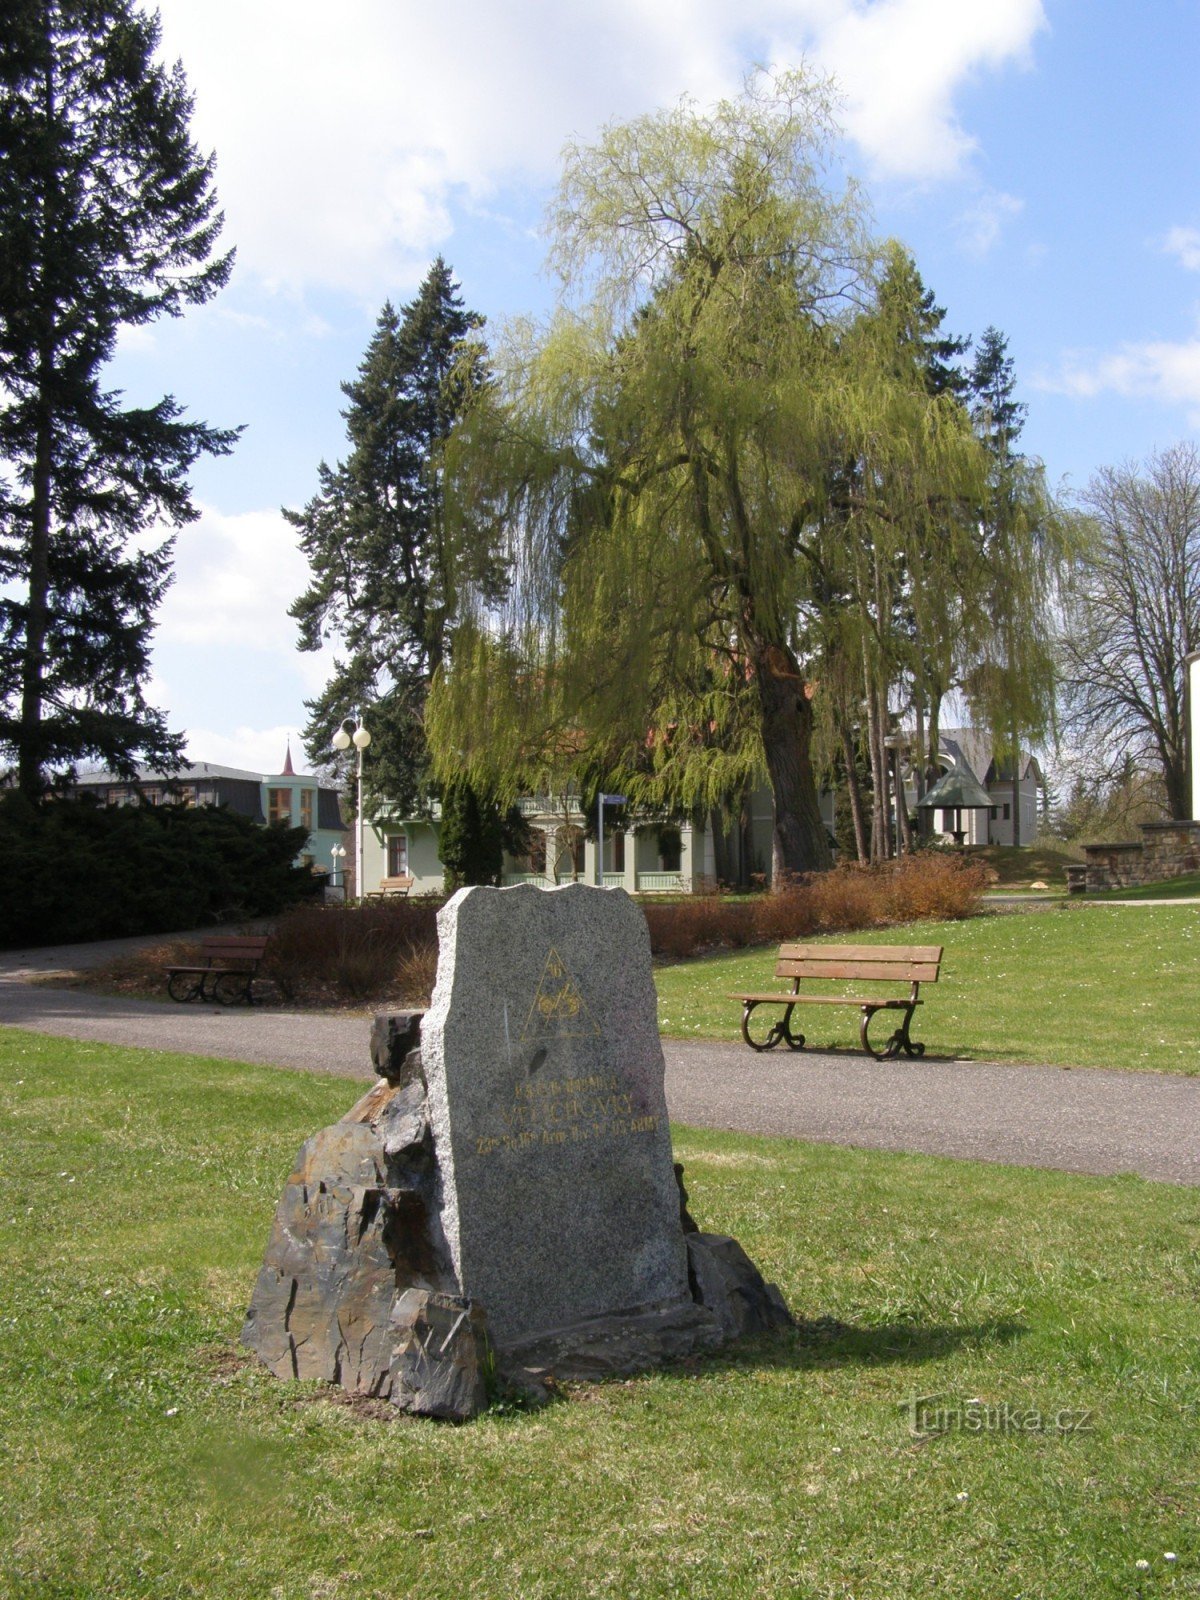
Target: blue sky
x=1039 y=158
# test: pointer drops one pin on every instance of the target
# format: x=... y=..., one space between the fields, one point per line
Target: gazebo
x=957 y=790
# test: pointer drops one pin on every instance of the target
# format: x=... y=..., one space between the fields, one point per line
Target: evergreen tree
x=108 y=219
x=1013 y=688
x=992 y=385
x=385 y=568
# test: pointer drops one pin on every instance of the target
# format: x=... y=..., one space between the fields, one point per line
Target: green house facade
x=648 y=856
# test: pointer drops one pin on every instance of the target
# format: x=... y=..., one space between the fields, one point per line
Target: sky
x=1038 y=157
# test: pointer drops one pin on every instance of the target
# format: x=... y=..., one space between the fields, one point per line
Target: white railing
x=511 y=879
x=614 y=880
x=660 y=883
x=541 y=805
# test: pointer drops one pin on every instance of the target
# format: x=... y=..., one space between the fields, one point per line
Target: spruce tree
x=999 y=418
x=385 y=567
x=108 y=220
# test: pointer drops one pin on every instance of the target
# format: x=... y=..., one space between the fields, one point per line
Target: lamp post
x=353 y=733
x=338 y=854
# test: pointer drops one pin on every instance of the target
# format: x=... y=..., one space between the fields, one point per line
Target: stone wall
x=1166 y=850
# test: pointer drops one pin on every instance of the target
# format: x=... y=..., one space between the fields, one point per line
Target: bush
x=387 y=953
x=75 y=870
x=850 y=898
x=355 y=952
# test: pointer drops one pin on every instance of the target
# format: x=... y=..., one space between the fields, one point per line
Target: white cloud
x=345 y=141
x=981 y=224
x=1185 y=244
x=260 y=750
x=235 y=577
x=903 y=62
x=1156 y=369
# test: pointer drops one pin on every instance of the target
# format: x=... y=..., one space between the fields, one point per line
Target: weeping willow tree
x=939 y=557
x=734 y=504
x=656 y=457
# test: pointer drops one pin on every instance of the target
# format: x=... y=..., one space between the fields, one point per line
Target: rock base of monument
x=357 y=1287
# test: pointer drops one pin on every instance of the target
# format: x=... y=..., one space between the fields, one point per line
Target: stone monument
x=503 y=1202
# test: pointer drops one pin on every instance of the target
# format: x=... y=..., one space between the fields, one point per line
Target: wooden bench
x=229 y=964
x=856 y=963
x=388 y=887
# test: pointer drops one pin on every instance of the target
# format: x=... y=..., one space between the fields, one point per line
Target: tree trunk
x=933 y=770
x=854 y=792
x=1016 y=791
x=905 y=827
x=1175 y=779
x=31 y=753
x=924 y=818
x=799 y=843
x=882 y=817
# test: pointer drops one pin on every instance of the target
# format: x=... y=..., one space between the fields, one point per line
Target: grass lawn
x=1183 y=888
x=145 y=1457
x=1017 y=867
x=1085 y=986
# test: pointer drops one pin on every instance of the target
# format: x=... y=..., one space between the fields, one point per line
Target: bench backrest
x=403 y=881
x=234 y=950
x=899 y=963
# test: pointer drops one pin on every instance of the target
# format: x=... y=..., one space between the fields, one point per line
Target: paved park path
x=1080 y=1119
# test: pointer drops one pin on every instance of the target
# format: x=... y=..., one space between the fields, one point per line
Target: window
x=279 y=805
x=995 y=812
x=306 y=809
x=670 y=849
x=1006 y=813
x=577 y=852
x=618 y=852
x=397 y=855
x=537 y=851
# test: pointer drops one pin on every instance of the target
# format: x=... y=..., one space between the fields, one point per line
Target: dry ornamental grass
x=387 y=953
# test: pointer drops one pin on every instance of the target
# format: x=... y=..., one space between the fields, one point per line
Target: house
x=972 y=751
x=290 y=797
x=646 y=855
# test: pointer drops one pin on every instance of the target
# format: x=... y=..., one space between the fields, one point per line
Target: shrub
x=850 y=898
x=354 y=952
x=76 y=870
x=680 y=928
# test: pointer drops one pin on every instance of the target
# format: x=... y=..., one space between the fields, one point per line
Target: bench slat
x=880 y=1002
x=897 y=972
x=861 y=952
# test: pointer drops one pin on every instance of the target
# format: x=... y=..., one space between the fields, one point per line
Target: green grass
x=1184 y=888
x=1096 y=986
x=144 y=1458
x=1016 y=867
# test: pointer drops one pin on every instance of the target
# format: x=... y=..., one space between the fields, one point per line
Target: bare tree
x=1132 y=616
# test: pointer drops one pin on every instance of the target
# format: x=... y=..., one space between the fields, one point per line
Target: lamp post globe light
x=353 y=733
x=338 y=854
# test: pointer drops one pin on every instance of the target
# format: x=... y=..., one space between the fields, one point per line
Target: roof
x=194 y=772
x=957 y=790
x=972 y=749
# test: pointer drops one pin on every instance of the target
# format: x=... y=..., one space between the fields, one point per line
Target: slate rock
x=727 y=1283
x=356 y=1224
x=395 y=1041
x=439 y=1346
x=398 y=1116
x=324 y=1294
